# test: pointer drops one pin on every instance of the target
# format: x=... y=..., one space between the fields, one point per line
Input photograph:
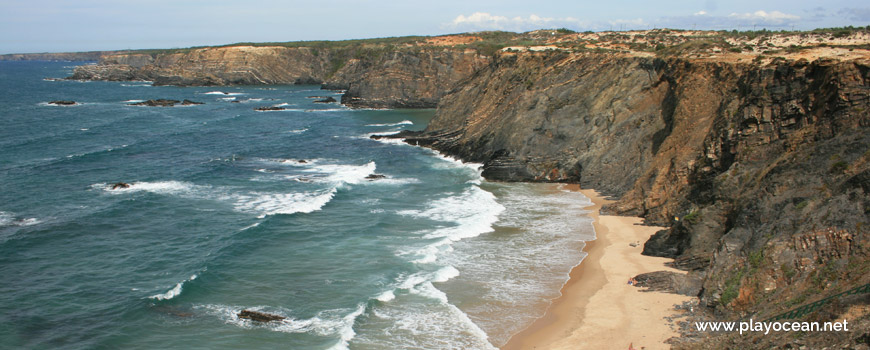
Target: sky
x=28 y=26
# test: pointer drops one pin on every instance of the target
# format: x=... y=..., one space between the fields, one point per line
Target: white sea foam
x=298 y=131
x=391 y=141
x=260 y=203
x=10 y=219
x=107 y=149
x=404 y=122
x=46 y=104
x=342 y=173
x=415 y=324
x=284 y=203
x=160 y=187
x=527 y=264
x=27 y=222
x=414 y=281
x=223 y=93
x=174 y=292
x=290 y=161
x=132 y=101
x=6 y=218
x=386 y=296
x=392 y=132
x=329 y=323
x=451 y=161
x=327 y=110
x=250 y=226
x=345 y=330
x=444 y=274
x=426 y=289
x=227 y=98
x=474 y=211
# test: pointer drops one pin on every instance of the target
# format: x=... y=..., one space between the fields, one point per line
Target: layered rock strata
x=378 y=78
x=761 y=171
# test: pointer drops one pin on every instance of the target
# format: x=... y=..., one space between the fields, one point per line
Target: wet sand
x=598 y=309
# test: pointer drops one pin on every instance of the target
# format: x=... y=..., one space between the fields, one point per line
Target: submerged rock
x=118 y=185
x=62 y=103
x=326 y=100
x=259 y=316
x=190 y=103
x=271 y=108
x=373 y=177
x=157 y=103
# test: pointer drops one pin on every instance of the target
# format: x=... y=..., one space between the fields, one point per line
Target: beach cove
x=597 y=308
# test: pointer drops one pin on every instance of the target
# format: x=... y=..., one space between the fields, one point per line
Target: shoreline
x=597 y=309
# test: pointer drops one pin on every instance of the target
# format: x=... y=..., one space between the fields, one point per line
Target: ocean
x=233 y=209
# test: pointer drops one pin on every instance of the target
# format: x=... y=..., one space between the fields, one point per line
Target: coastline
x=597 y=309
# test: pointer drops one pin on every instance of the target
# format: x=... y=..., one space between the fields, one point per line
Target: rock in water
x=62 y=103
x=120 y=185
x=259 y=316
x=326 y=100
x=373 y=177
x=189 y=103
x=264 y=109
x=157 y=103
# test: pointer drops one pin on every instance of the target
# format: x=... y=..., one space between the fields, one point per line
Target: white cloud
x=763 y=17
x=486 y=21
x=706 y=20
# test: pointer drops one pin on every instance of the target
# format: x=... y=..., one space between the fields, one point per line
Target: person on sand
x=631 y=346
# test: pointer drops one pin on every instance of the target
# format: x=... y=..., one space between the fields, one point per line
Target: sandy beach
x=598 y=309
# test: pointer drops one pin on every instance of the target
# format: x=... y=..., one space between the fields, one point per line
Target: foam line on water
x=10 y=219
x=329 y=323
x=259 y=203
x=404 y=122
x=175 y=291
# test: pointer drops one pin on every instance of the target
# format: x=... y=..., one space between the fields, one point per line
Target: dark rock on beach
x=259 y=316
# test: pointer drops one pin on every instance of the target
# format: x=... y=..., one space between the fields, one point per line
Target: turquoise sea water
x=234 y=209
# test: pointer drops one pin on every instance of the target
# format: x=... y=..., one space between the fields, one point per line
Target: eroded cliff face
x=761 y=171
x=238 y=65
x=405 y=79
x=372 y=77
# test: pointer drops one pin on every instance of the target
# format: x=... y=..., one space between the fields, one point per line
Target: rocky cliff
x=753 y=149
x=377 y=77
x=761 y=170
x=58 y=56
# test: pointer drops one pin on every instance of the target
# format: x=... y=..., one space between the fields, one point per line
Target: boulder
x=62 y=103
x=122 y=185
x=157 y=103
x=190 y=103
x=271 y=108
x=259 y=316
x=373 y=177
x=326 y=100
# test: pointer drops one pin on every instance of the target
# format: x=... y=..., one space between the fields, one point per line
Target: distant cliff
x=372 y=77
x=60 y=56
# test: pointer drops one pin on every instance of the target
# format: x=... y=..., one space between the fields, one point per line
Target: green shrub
x=839 y=167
